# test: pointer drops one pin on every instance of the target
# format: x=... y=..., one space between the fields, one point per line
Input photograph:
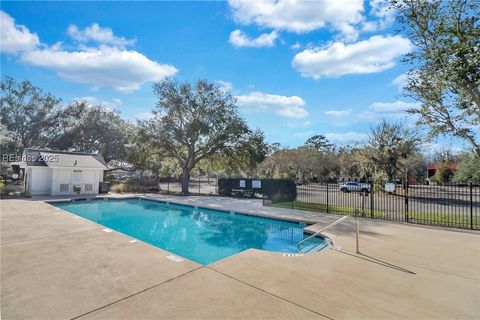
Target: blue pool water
x=201 y=235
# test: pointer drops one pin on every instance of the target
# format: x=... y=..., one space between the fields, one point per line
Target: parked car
x=355 y=186
x=298 y=182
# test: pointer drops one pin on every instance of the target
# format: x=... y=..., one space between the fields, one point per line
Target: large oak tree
x=92 y=128
x=193 y=122
x=28 y=115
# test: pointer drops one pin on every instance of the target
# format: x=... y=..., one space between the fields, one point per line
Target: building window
x=88 y=187
x=64 y=187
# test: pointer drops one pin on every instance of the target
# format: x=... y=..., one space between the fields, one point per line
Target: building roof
x=62 y=159
x=449 y=165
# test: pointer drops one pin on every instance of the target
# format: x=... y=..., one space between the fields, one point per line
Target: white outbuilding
x=48 y=172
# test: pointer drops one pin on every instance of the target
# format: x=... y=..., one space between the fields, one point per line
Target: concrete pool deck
x=55 y=265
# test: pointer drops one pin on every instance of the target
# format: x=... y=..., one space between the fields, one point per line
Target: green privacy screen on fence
x=278 y=189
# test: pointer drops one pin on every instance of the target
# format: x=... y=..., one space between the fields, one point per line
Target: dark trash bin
x=103 y=187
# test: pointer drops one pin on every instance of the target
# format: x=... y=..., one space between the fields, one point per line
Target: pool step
x=312 y=246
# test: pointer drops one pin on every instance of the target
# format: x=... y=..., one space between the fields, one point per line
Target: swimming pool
x=198 y=234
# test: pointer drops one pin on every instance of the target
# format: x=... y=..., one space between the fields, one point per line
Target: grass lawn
x=461 y=221
x=319 y=207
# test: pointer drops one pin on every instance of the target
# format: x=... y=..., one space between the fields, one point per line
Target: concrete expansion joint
x=41 y=238
x=269 y=293
x=136 y=293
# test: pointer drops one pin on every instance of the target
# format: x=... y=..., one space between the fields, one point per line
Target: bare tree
x=388 y=144
x=445 y=74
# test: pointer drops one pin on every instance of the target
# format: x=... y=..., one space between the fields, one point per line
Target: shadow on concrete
x=347 y=228
x=377 y=261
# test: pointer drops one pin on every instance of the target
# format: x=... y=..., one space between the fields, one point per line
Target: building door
x=77 y=181
x=88 y=181
x=64 y=180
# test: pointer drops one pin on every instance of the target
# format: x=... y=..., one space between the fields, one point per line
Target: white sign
x=242 y=183
x=256 y=184
x=390 y=187
x=174 y=258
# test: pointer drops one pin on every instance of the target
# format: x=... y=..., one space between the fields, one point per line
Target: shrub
x=379 y=185
x=128 y=187
x=118 y=188
x=5 y=191
x=443 y=175
x=468 y=170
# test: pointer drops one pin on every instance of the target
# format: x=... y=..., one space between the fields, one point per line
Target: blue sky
x=297 y=68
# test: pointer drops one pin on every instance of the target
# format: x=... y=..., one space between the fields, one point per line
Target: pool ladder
x=357 y=231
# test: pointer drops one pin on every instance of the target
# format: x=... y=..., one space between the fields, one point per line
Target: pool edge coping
x=329 y=245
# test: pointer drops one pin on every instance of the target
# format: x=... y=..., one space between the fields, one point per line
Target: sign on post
x=256 y=184
x=390 y=187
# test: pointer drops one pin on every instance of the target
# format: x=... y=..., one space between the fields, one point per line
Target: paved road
x=421 y=199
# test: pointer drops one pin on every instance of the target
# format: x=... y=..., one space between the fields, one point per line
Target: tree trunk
x=390 y=175
x=185 y=180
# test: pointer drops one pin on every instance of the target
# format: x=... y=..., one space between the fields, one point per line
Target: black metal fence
x=450 y=205
x=256 y=188
x=201 y=185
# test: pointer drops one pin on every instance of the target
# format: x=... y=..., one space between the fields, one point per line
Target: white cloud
x=346 y=137
x=338 y=113
x=431 y=148
x=392 y=107
x=240 y=39
x=98 y=34
x=295 y=46
x=15 y=38
x=298 y=15
x=94 y=101
x=144 y=115
x=388 y=110
x=382 y=10
x=381 y=16
x=304 y=134
x=107 y=65
x=122 y=70
x=400 y=81
x=117 y=102
x=292 y=112
x=225 y=85
x=285 y=106
x=348 y=32
x=376 y=54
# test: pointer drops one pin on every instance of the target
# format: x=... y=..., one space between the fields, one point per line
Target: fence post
x=471 y=205
x=168 y=185
x=371 y=200
x=291 y=192
x=328 y=206
x=198 y=181
x=406 y=201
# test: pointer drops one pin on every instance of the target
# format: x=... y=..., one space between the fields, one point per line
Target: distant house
x=432 y=168
x=48 y=172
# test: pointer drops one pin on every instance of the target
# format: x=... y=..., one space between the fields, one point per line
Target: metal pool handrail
x=331 y=225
